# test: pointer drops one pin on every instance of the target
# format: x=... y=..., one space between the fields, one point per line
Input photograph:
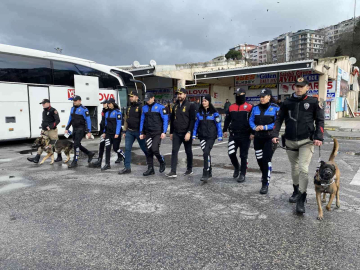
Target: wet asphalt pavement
x=52 y=217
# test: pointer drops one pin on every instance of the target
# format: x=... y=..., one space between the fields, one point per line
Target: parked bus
x=28 y=76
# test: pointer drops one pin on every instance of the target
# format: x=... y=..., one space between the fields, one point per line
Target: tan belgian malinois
x=327 y=180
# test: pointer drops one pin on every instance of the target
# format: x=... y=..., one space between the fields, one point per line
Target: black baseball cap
x=110 y=100
x=133 y=93
x=44 y=101
x=104 y=102
x=76 y=98
x=181 y=91
x=301 y=81
x=265 y=92
x=239 y=91
x=148 y=96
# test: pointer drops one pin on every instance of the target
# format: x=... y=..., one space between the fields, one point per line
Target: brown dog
x=327 y=180
x=45 y=143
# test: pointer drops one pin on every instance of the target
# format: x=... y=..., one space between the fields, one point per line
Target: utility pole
x=352 y=45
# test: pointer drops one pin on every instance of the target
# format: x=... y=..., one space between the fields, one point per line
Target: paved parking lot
x=52 y=217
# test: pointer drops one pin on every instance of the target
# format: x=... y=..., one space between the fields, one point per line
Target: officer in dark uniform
x=132 y=128
x=208 y=128
x=80 y=121
x=300 y=112
x=237 y=121
x=262 y=121
x=153 y=127
x=111 y=130
x=50 y=120
x=182 y=120
x=97 y=163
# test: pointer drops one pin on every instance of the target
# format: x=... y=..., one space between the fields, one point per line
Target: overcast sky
x=117 y=32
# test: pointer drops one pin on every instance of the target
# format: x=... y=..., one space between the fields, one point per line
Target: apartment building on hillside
x=306 y=44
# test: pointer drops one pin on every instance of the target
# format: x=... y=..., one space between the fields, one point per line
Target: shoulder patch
x=56 y=112
x=87 y=113
x=164 y=111
x=119 y=116
x=321 y=105
x=218 y=118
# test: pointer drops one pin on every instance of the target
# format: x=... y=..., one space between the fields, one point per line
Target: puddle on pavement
x=13 y=182
x=13 y=186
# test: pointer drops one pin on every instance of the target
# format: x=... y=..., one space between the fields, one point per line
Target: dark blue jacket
x=79 y=118
x=113 y=122
x=208 y=124
x=154 y=119
x=263 y=116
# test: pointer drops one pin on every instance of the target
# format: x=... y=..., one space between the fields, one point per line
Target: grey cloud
x=119 y=32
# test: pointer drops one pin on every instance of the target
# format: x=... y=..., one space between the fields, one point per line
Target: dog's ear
x=333 y=167
x=322 y=163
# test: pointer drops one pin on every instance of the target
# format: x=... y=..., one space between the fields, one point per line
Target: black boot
x=300 y=204
x=149 y=171
x=205 y=176
x=264 y=189
x=96 y=164
x=106 y=167
x=120 y=158
x=210 y=172
x=73 y=164
x=34 y=159
x=125 y=171
x=90 y=156
x=296 y=194
x=162 y=167
x=236 y=173
x=59 y=158
x=241 y=178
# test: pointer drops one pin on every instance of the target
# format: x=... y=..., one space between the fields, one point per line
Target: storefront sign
x=289 y=88
x=327 y=110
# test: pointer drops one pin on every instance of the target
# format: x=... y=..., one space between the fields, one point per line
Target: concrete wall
x=222 y=93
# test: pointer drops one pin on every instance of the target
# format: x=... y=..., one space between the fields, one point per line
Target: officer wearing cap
x=50 y=120
x=262 y=121
x=300 y=113
x=80 y=121
x=153 y=127
x=182 y=120
x=132 y=129
x=237 y=121
x=112 y=131
x=97 y=163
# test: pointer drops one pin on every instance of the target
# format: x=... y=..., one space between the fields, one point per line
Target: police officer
x=153 y=127
x=80 y=121
x=111 y=131
x=50 y=120
x=208 y=128
x=300 y=112
x=262 y=121
x=97 y=163
x=132 y=128
x=182 y=120
x=237 y=121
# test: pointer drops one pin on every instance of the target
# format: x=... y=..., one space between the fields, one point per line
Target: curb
x=345 y=137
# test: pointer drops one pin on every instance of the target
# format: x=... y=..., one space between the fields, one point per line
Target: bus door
x=122 y=99
x=87 y=87
x=36 y=95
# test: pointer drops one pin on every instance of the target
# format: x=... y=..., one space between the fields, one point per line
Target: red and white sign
x=71 y=93
x=103 y=96
x=216 y=95
x=289 y=88
x=198 y=91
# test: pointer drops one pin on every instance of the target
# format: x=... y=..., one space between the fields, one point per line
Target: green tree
x=234 y=55
x=338 y=51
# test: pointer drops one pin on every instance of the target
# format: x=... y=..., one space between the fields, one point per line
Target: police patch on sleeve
x=164 y=111
x=55 y=112
x=218 y=119
x=321 y=105
x=119 y=117
x=87 y=113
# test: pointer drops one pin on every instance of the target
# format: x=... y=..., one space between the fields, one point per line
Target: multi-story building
x=253 y=55
x=306 y=44
x=244 y=49
x=280 y=48
x=264 y=52
x=333 y=32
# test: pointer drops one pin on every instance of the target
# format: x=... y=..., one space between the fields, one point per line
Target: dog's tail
x=335 y=150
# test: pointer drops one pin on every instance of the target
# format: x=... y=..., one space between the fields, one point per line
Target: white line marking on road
x=356 y=179
x=195 y=148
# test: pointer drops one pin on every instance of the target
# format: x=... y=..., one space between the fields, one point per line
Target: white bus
x=28 y=76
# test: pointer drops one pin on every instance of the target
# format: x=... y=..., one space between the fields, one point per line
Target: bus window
x=22 y=69
x=64 y=73
x=123 y=98
x=106 y=81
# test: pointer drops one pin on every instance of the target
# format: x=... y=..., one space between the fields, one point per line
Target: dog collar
x=320 y=183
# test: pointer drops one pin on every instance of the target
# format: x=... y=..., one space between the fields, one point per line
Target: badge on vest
x=306 y=106
x=137 y=109
x=155 y=107
x=184 y=109
x=47 y=113
x=270 y=110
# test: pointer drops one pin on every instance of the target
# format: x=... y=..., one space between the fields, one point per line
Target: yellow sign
x=261 y=86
